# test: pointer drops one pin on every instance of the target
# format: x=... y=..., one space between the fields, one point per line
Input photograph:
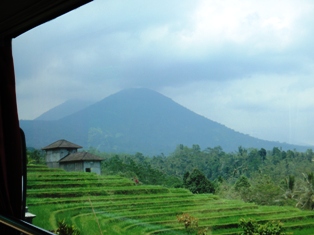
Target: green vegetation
x=265 y=177
x=197 y=182
x=251 y=227
x=117 y=205
x=35 y=156
x=143 y=195
x=65 y=229
x=189 y=222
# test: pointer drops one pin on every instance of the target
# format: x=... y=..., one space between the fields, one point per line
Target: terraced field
x=115 y=205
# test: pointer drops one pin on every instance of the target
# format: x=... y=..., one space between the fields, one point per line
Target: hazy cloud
x=246 y=64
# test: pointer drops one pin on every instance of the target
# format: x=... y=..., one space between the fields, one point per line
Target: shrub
x=197 y=182
x=190 y=223
x=251 y=227
x=65 y=229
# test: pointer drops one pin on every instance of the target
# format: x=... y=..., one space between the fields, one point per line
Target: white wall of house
x=93 y=166
x=54 y=155
x=72 y=166
x=86 y=166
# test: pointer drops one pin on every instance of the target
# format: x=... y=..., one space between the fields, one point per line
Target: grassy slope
x=115 y=205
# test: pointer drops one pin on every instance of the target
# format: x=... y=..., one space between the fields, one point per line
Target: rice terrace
x=97 y=204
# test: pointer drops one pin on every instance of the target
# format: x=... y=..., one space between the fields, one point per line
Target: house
x=58 y=150
x=81 y=161
x=63 y=154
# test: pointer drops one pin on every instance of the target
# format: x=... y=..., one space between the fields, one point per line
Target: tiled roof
x=81 y=156
x=62 y=144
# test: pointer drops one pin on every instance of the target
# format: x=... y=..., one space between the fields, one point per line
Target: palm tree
x=306 y=192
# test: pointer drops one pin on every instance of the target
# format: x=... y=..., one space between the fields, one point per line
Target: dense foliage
x=136 y=167
x=66 y=229
x=251 y=227
x=266 y=177
x=35 y=156
x=197 y=182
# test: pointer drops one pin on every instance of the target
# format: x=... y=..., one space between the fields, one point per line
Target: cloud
x=247 y=64
x=267 y=107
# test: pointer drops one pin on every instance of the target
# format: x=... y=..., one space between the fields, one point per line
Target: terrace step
x=121 y=207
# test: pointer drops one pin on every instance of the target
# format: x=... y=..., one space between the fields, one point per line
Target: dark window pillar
x=10 y=139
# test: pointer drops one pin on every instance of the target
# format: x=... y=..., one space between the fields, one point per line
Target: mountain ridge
x=140 y=120
x=66 y=108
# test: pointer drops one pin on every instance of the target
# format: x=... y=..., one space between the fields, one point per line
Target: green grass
x=115 y=205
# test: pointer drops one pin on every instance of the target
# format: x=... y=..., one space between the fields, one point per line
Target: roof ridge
x=62 y=143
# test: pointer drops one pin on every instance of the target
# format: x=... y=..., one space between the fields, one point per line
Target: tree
x=288 y=185
x=197 y=182
x=262 y=153
x=276 y=155
x=196 y=148
x=306 y=197
x=242 y=151
x=242 y=186
x=291 y=182
x=35 y=157
x=242 y=183
x=264 y=191
x=309 y=154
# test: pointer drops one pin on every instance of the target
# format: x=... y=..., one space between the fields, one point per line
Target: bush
x=197 y=182
x=65 y=229
x=251 y=227
x=190 y=223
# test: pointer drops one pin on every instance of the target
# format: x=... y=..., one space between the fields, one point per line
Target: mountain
x=63 y=110
x=140 y=120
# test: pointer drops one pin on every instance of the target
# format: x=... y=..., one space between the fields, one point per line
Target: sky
x=247 y=64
